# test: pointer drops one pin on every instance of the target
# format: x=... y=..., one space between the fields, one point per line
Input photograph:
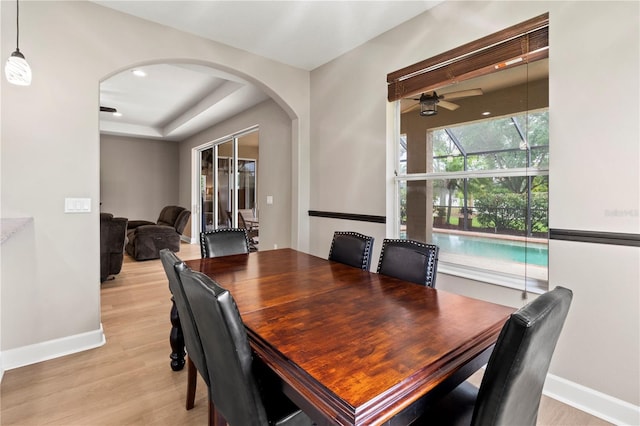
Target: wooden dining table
x=353 y=347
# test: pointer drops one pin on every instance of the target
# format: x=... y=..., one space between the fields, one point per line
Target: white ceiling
x=175 y=101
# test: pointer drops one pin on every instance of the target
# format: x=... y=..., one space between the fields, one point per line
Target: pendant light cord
x=17 y=25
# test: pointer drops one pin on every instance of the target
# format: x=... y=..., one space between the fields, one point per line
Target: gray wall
x=595 y=182
x=49 y=153
x=138 y=177
x=275 y=171
x=51 y=150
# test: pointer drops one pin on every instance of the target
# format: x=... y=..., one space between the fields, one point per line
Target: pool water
x=514 y=251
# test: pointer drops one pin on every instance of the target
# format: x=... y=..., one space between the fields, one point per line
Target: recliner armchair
x=112 y=235
x=146 y=238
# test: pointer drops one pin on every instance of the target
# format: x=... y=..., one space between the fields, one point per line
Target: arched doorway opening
x=147 y=155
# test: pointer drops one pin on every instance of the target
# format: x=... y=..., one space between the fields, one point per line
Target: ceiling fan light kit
x=17 y=70
x=428 y=105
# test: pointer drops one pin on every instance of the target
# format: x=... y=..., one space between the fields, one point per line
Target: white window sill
x=501 y=278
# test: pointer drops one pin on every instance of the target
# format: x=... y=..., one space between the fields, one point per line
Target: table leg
x=176 y=339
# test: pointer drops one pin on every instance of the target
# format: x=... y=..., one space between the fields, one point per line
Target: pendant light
x=17 y=69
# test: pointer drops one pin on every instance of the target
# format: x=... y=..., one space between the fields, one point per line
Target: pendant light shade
x=17 y=70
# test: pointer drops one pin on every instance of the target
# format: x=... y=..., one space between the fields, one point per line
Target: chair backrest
x=233 y=388
x=409 y=260
x=174 y=216
x=224 y=242
x=351 y=248
x=181 y=221
x=168 y=215
x=241 y=221
x=172 y=265
x=511 y=387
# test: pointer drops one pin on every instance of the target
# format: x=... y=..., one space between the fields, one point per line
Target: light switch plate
x=77 y=205
x=269 y=199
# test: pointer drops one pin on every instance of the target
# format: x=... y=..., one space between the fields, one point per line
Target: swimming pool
x=494 y=248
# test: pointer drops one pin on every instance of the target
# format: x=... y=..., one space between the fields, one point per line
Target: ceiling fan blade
x=107 y=109
x=448 y=105
x=461 y=94
x=411 y=108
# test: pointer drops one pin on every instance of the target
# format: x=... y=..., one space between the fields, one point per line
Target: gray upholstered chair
x=351 y=248
x=409 y=260
x=252 y=233
x=195 y=356
x=113 y=231
x=146 y=239
x=243 y=390
x=224 y=242
x=512 y=384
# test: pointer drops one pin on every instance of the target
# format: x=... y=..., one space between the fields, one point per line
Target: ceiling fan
x=428 y=101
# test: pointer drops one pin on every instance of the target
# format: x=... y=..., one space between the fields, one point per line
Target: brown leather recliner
x=112 y=234
x=146 y=239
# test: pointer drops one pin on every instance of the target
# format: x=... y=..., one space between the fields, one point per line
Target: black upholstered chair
x=512 y=384
x=146 y=239
x=243 y=390
x=195 y=356
x=351 y=248
x=224 y=242
x=409 y=260
x=113 y=231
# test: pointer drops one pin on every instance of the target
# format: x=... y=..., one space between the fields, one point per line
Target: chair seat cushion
x=155 y=229
x=145 y=242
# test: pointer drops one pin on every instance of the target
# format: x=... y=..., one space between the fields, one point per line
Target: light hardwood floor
x=128 y=381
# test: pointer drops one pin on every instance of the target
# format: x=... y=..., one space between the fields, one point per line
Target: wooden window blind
x=519 y=44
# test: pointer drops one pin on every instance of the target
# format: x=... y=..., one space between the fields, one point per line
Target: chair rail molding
x=349 y=216
x=613 y=238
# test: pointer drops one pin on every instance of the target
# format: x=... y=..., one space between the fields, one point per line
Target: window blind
x=519 y=44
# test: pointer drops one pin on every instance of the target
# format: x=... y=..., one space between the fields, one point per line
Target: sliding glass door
x=228 y=180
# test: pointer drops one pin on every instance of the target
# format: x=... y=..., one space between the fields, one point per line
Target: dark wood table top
x=354 y=347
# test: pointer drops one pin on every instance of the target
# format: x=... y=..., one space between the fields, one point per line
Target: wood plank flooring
x=128 y=381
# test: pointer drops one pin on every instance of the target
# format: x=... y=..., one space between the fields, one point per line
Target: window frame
x=520 y=44
x=526 y=283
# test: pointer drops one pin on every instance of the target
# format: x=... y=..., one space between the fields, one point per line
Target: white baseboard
x=188 y=240
x=590 y=401
x=31 y=354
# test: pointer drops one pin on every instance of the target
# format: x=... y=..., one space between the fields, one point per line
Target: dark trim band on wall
x=349 y=216
x=613 y=238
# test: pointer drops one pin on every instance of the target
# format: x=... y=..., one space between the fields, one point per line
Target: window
x=472 y=163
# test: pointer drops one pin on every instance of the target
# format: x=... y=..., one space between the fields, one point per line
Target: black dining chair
x=195 y=356
x=224 y=242
x=409 y=260
x=244 y=391
x=511 y=387
x=351 y=248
